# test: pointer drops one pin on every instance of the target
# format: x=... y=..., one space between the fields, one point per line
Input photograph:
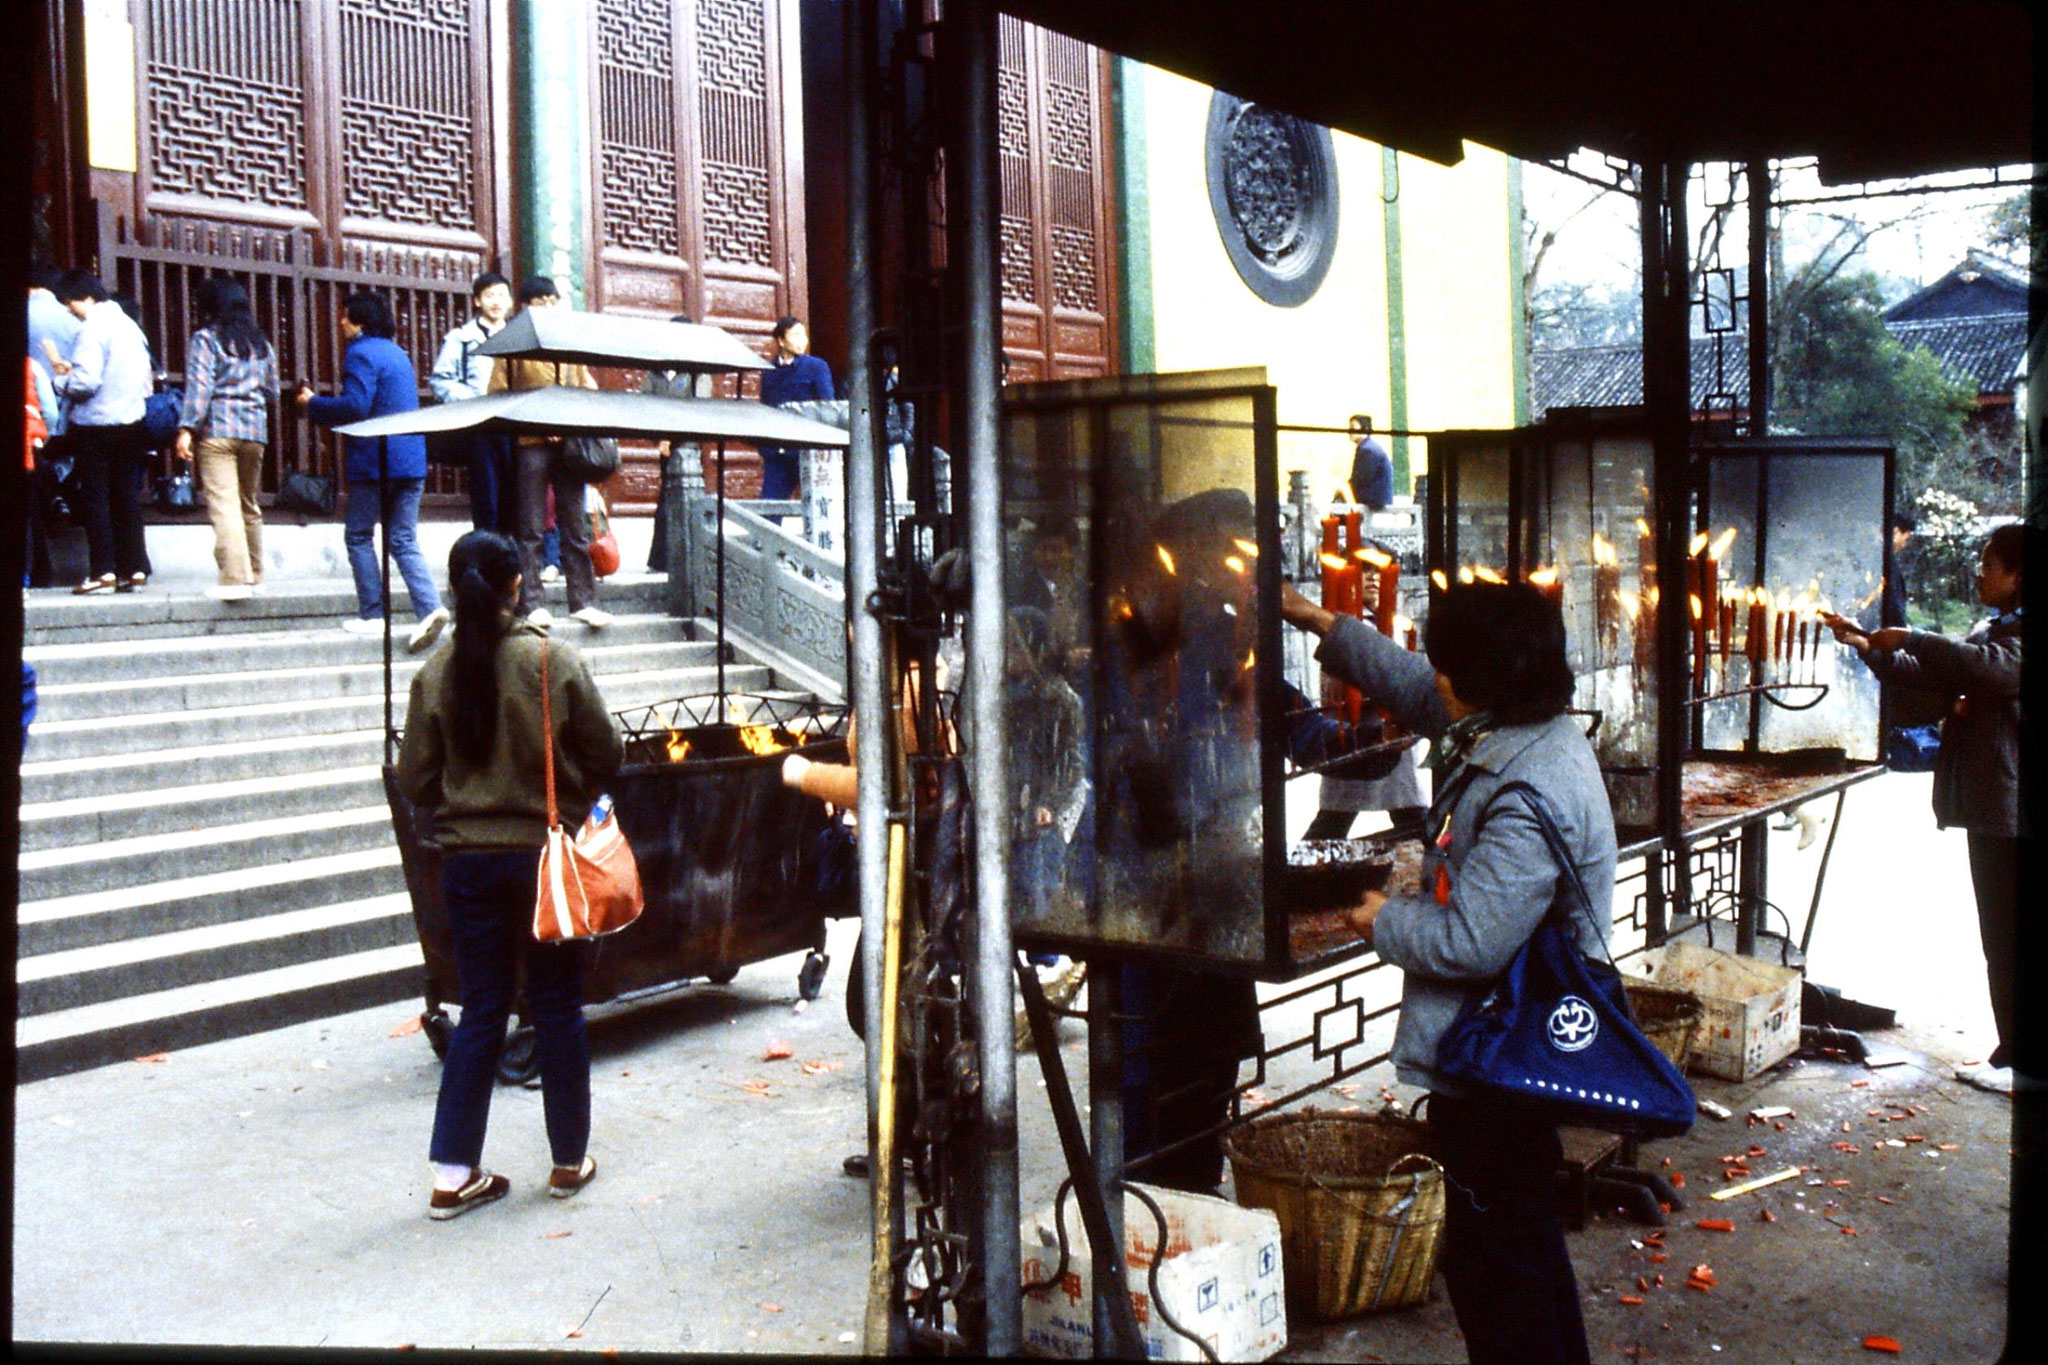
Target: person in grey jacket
x=1491 y=696
x=459 y=373
x=1977 y=771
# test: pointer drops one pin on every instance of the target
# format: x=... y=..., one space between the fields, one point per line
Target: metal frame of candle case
x=1524 y=447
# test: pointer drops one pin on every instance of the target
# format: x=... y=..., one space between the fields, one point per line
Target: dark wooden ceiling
x=1874 y=88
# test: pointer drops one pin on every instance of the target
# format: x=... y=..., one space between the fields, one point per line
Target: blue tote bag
x=1555 y=1030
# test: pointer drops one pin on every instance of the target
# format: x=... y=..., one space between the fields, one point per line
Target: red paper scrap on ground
x=154 y=1058
x=408 y=1028
x=1631 y=1300
x=1885 y=1344
x=777 y=1051
x=1717 y=1225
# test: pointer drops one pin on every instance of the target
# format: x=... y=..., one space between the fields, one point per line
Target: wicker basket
x=1360 y=1204
x=1667 y=1018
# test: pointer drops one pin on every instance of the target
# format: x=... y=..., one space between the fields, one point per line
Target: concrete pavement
x=269 y=1190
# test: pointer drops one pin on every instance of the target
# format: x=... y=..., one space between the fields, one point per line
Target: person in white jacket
x=458 y=373
x=107 y=381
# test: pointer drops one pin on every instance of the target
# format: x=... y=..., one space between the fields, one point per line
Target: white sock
x=447 y=1177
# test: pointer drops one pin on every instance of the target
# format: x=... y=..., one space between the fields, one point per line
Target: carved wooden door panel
x=311 y=147
x=1053 y=154
x=698 y=172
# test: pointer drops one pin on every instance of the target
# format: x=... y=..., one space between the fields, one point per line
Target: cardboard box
x=1221 y=1280
x=1751 y=1021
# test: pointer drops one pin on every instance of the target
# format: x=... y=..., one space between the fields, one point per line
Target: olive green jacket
x=503 y=803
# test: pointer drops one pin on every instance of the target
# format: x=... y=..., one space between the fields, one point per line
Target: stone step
x=53 y=616
x=149 y=858
x=169 y=810
x=125 y=772
x=64 y=1041
x=162 y=962
x=155 y=730
x=320 y=683
x=86 y=918
x=117 y=660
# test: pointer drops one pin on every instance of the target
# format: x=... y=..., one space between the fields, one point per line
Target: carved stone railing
x=785 y=599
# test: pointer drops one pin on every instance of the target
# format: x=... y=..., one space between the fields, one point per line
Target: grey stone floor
x=269 y=1190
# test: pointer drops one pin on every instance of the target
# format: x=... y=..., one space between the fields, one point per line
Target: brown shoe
x=563 y=1182
x=483 y=1187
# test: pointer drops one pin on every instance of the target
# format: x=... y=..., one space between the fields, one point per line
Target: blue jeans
x=401 y=526
x=489 y=896
x=491 y=490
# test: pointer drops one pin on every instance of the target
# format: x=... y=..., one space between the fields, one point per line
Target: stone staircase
x=205 y=846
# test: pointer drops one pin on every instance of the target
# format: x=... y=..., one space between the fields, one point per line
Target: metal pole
x=1759 y=173
x=1106 y=1126
x=874 y=726
x=384 y=541
x=718 y=545
x=1667 y=395
x=990 y=969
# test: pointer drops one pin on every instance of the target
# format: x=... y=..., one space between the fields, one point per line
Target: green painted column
x=1518 y=317
x=1134 y=220
x=1397 y=319
x=551 y=142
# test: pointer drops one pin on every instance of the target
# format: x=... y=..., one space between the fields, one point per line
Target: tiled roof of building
x=1987 y=351
x=1980 y=285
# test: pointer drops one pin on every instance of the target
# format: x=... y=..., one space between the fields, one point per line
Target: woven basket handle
x=1404 y=1164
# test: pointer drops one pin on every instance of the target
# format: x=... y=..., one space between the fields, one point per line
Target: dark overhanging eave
x=1873 y=88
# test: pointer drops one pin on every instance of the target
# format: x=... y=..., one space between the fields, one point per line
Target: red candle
x=1354 y=533
x=1755 y=642
x=1387 y=587
x=1699 y=644
x=1727 y=627
x=1411 y=637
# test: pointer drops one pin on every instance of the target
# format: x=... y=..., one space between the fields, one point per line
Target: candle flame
x=1249 y=659
x=1436 y=576
x=1699 y=542
x=1377 y=558
x=1165 y=558
x=1629 y=602
x=678 y=748
x=1486 y=575
x=1544 y=577
x=1721 y=544
x=1465 y=574
x=1250 y=548
x=1332 y=561
x=760 y=739
x=1642 y=528
x=1650 y=597
x=1696 y=609
x=1603 y=551
x=1402 y=623
x=1233 y=563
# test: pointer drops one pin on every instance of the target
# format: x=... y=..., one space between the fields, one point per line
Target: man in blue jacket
x=378 y=378
x=798 y=377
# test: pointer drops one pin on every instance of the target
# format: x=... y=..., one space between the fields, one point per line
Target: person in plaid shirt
x=230 y=379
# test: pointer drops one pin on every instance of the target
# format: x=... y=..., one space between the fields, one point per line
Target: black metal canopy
x=559 y=410
x=1874 y=88
x=577 y=338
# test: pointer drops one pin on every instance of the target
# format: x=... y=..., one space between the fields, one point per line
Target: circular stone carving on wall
x=1273 y=189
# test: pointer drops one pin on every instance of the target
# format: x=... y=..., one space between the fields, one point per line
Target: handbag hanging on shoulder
x=1555 y=1031
x=588 y=885
x=592 y=459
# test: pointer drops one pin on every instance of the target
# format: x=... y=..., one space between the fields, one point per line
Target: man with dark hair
x=106 y=380
x=1904 y=524
x=458 y=373
x=378 y=378
x=539 y=477
x=798 y=377
x=51 y=332
x=1372 y=469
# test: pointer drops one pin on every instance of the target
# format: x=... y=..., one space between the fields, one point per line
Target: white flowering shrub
x=1948 y=548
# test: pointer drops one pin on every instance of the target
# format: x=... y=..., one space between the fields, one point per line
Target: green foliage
x=1838 y=372
x=2009 y=226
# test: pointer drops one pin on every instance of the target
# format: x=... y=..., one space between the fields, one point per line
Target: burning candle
x=1754 y=644
x=1699 y=642
x=1354 y=530
x=1606 y=590
x=1727 y=624
x=1549 y=580
x=1330 y=525
x=1407 y=629
x=1387 y=587
x=1646 y=555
